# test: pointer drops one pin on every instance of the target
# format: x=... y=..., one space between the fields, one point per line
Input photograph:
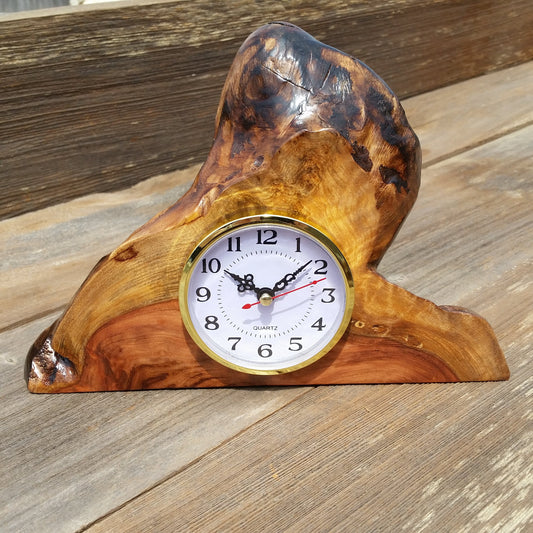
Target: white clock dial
x=266 y=295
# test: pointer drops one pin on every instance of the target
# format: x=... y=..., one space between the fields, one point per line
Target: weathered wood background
x=97 y=98
x=448 y=458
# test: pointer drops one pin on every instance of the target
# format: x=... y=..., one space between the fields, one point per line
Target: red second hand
x=247 y=306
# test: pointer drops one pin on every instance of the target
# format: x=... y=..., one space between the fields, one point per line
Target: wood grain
x=297 y=122
x=436 y=457
x=113 y=104
x=356 y=360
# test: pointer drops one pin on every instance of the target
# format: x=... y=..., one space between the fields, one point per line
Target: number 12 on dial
x=266 y=295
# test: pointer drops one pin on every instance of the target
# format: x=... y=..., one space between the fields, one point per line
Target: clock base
x=119 y=357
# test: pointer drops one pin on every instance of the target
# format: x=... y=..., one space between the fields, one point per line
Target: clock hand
x=282 y=283
x=245 y=284
x=268 y=301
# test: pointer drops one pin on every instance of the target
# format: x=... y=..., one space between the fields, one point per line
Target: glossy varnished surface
x=356 y=359
x=302 y=130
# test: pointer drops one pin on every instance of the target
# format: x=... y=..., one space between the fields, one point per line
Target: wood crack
x=33 y=318
x=283 y=78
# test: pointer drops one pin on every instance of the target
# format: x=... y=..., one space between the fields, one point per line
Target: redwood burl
x=305 y=131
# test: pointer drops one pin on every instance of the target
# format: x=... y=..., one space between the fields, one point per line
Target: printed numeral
x=267 y=236
x=213 y=265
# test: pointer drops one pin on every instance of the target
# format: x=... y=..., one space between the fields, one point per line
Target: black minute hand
x=282 y=283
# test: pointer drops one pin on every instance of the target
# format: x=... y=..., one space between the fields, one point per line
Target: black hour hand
x=244 y=284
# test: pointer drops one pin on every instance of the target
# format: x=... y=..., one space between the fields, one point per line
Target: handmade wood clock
x=264 y=272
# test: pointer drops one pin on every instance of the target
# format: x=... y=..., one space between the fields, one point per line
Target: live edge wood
x=303 y=130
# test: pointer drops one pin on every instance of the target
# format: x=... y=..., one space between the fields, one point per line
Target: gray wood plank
x=471 y=223
x=464 y=115
x=452 y=457
x=411 y=458
x=113 y=103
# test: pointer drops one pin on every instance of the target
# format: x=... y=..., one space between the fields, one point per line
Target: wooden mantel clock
x=263 y=273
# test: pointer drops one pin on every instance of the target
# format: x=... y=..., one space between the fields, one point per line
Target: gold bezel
x=275 y=220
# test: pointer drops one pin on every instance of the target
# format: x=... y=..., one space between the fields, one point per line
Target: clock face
x=266 y=295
